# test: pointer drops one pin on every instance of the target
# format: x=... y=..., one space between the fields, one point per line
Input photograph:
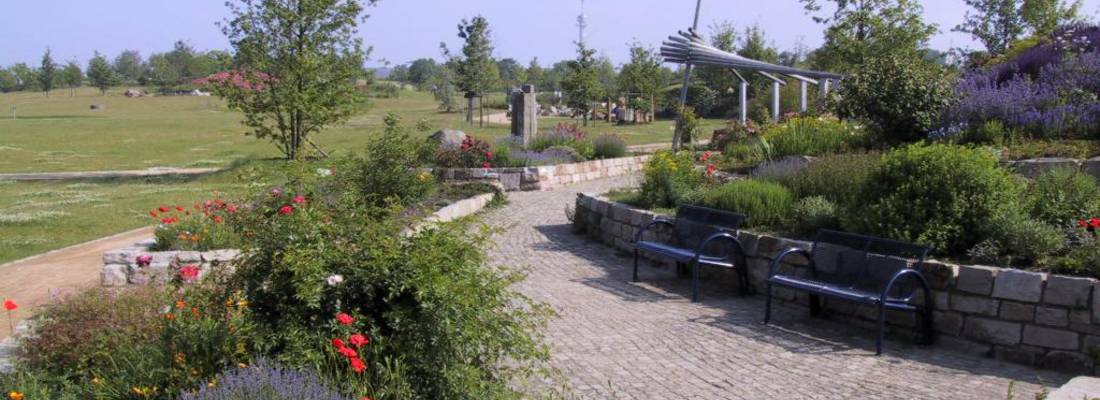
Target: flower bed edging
x=1038 y=319
x=545 y=177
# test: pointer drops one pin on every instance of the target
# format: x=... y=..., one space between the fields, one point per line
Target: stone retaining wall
x=1033 y=167
x=546 y=177
x=1050 y=321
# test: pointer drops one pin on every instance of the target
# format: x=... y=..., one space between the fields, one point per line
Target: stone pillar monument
x=525 y=115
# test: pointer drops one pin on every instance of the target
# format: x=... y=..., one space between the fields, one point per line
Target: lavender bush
x=265 y=380
x=1049 y=91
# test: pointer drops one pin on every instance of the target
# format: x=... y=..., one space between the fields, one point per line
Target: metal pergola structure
x=689 y=49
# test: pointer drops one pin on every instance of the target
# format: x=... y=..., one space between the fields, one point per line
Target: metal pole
x=775 y=101
x=802 y=87
x=744 y=102
x=685 y=83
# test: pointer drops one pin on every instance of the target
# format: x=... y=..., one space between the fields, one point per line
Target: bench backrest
x=694 y=224
x=865 y=262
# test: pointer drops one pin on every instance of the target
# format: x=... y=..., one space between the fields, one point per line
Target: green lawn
x=40 y=216
x=62 y=133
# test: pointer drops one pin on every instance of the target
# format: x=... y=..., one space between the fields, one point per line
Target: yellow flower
x=180 y=358
x=213 y=383
x=424 y=176
x=242 y=303
x=95 y=381
x=13 y=395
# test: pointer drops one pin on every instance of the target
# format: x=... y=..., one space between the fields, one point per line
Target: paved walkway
x=617 y=339
x=33 y=281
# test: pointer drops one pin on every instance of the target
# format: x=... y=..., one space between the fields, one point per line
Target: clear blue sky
x=403 y=30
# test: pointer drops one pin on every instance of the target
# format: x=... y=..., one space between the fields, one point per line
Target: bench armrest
x=728 y=236
x=656 y=221
x=912 y=274
x=788 y=252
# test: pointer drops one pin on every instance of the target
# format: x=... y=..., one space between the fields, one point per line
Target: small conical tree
x=47 y=73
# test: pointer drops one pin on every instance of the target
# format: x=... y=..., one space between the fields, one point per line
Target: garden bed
x=1039 y=319
x=122 y=267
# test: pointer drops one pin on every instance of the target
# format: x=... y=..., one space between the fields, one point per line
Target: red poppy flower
x=358 y=340
x=10 y=305
x=338 y=343
x=217 y=219
x=189 y=272
x=1095 y=222
x=358 y=366
x=153 y=214
x=348 y=352
x=486 y=165
x=179 y=208
x=286 y=210
x=710 y=169
x=344 y=319
x=299 y=199
x=163 y=209
x=489 y=155
x=1082 y=224
x=231 y=209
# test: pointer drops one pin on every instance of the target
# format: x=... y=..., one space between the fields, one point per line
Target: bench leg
x=928 y=335
x=768 y=304
x=815 y=305
x=694 y=281
x=744 y=287
x=635 y=265
x=881 y=329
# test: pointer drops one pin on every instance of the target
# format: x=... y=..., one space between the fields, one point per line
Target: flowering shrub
x=472 y=153
x=439 y=323
x=200 y=227
x=1049 y=91
x=568 y=135
x=667 y=177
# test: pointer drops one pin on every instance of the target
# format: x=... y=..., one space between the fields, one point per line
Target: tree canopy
x=861 y=29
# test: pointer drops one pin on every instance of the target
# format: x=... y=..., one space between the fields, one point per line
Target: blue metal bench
x=700 y=236
x=862 y=269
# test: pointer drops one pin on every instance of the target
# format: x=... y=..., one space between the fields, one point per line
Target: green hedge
x=766 y=204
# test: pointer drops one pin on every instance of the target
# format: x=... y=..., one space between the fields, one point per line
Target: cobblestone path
x=616 y=339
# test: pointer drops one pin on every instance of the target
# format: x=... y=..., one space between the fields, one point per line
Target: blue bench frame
x=718 y=225
x=883 y=298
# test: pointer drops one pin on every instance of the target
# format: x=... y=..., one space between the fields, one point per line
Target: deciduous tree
x=643 y=77
x=72 y=76
x=859 y=30
x=581 y=84
x=298 y=64
x=994 y=23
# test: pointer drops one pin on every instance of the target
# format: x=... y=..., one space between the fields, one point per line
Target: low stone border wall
x=1044 y=320
x=1031 y=168
x=120 y=266
x=546 y=177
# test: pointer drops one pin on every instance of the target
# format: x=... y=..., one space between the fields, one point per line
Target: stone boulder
x=448 y=138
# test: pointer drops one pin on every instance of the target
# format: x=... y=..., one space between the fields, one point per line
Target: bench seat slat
x=680 y=254
x=846 y=293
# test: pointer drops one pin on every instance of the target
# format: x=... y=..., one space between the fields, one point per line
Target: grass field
x=40 y=216
x=62 y=133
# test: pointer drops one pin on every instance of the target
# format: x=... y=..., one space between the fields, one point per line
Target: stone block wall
x=1039 y=319
x=120 y=267
x=546 y=177
x=1033 y=167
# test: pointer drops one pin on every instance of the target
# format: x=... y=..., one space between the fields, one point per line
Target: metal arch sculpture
x=690 y=49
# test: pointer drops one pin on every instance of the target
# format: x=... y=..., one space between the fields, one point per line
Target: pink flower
x=344 y=319
x=358 y=340
x=189 y=273
x=144 y=260
x=299 y=199
x=286 y=210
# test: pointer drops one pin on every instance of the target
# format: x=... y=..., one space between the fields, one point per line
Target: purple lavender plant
x=265 y=380
x=1051 y=90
